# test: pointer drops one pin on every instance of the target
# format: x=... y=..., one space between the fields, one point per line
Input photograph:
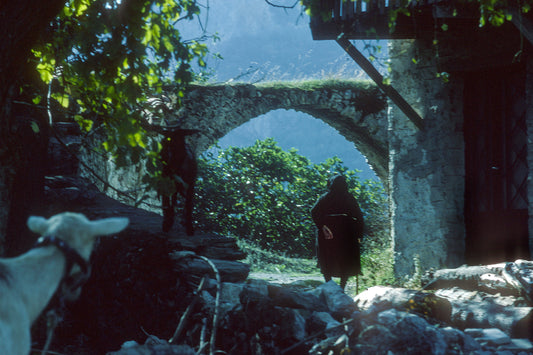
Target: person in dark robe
x=340 y=224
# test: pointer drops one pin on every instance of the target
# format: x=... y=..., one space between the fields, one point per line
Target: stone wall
x=529 y=123
x=426 y=167
x=356 y=111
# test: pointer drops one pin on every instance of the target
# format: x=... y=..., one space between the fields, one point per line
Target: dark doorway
x=496 y=203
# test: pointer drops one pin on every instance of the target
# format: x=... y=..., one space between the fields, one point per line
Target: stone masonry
x=529 y=123
x=358 y=113
x=426 y=168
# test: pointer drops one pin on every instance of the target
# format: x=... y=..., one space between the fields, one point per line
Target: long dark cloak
x=340 y=212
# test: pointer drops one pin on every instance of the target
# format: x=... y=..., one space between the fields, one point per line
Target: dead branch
x=203 y=343
x=186 y=314
x=312 y=336
x=212 y=341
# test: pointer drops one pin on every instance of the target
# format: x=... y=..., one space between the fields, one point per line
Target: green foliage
x=415 y=280
x=377 y=266
x=262 y=260
x=316 y=8
x=264 y=194
x=492 y=12
x=109 y=56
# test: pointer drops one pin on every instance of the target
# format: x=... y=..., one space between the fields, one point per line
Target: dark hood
x=337 y=184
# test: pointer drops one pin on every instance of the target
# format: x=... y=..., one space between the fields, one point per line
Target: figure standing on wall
x=340 y=224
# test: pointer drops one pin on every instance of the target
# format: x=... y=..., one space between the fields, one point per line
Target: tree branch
x=282 y=6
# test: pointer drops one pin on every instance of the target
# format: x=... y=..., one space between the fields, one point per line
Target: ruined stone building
x=451 y=137
x=460 y=165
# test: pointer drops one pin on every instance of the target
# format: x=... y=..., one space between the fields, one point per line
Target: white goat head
x=28 y=281
x=76 y=230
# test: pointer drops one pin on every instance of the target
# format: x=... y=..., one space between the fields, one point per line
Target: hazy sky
x=276 y=41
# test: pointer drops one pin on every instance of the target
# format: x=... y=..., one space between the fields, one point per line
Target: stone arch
x=355 y=109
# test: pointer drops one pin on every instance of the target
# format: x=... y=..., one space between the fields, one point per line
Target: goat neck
x=36 y=276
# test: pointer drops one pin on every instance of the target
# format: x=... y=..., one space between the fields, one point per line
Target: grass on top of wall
x=377 y=266
x=304 y=84
x=320 y=84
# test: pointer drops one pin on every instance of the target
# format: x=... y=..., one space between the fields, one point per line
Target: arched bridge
x=356 y=109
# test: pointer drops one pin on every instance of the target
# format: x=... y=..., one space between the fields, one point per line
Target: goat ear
x=37 y=224
x=108 y=226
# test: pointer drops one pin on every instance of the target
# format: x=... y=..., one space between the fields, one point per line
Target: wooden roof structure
x=345 y=20
x=370 y=19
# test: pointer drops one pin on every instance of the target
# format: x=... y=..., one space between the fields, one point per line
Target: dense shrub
x=264 y=194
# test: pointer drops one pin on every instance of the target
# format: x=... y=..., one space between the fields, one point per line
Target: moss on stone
x=322 y=84
x=306 y=85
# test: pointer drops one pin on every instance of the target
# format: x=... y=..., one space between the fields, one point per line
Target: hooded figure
x=339 y=221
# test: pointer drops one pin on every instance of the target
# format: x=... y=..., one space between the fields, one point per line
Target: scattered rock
x=340 y=304
x=512 y=278
x=518 y=345
x=413 y=333
x=520 y=275
x=375 y=339
x=285 y=297
x=476 y=309
x=323 y=322
x=425 y=303
x=230 y=271
x=459 y=341
x=153 y=346
x=494 y=336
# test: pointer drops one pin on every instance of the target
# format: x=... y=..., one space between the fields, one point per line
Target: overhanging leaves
x=111 y=56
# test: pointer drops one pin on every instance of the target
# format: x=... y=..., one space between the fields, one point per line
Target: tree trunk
x=30 y=129
x=5 y=198
x=21 y=24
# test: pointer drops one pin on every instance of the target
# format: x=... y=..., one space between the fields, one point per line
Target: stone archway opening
x=312 y=137
x=318 y=135
x=356 y=109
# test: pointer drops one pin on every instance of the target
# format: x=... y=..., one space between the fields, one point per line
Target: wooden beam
x=524 y=24
x=378 y=79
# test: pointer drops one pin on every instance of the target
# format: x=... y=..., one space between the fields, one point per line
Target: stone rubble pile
x=257 y=317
